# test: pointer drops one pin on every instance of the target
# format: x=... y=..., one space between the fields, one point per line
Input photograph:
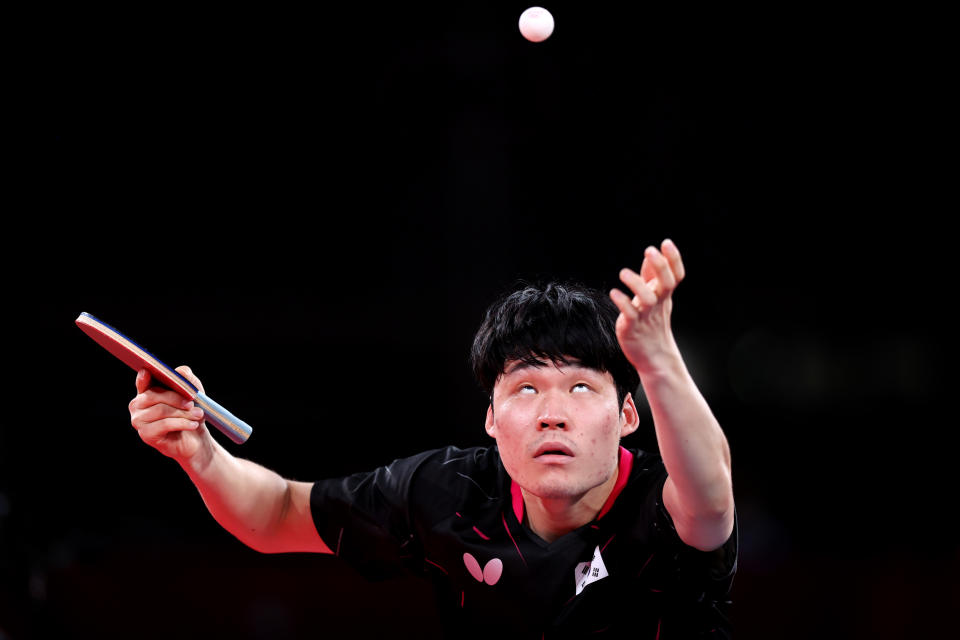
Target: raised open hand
x=643 y=327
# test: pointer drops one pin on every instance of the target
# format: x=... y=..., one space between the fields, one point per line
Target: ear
x=490 y=425
x=630 y=417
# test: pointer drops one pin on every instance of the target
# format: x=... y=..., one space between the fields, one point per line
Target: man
x=557 y=531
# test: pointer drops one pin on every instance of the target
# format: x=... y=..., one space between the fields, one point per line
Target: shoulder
x=452 y=470
x=452 y=460
x=647 y=471
x=644 y=494
x=431 y=467
x=639 y=506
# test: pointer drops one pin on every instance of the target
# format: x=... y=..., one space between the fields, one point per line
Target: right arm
x=262 y=509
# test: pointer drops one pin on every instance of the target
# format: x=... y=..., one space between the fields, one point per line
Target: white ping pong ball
x=536 y=24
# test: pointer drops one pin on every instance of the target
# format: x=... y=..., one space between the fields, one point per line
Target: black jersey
x=455 y=517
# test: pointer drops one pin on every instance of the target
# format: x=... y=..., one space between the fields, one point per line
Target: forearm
x=692 y=444
x=698 y=492
x=250 y=501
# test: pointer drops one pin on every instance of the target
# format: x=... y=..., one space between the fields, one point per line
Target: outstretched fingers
x=657 y=271
x=670 y=251
x=626 y=306
x=660 y=273
x=644 y=292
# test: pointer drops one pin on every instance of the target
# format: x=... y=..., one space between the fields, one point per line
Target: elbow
x=269 y=539
x=258 y=543
x=711 y=534
x=709 y=530
x=259 y=548
x=709 y=524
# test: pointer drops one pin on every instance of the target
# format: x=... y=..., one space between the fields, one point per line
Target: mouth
x=553 y=450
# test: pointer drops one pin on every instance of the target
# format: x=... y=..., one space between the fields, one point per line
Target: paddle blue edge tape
x=135 y=343
x=231 y=426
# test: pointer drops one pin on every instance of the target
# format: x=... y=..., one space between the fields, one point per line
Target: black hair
x=558 y=322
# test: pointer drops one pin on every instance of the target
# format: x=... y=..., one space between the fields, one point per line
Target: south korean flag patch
x=587 y=572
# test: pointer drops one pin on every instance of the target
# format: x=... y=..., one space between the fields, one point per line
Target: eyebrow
x=521 y=365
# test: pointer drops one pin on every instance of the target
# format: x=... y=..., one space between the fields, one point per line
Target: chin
x=555 y=484
x=557 y=493
x=555 y=489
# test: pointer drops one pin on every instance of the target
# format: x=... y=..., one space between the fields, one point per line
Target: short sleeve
x=365 y=518
x=718 y=565
x=702 y=580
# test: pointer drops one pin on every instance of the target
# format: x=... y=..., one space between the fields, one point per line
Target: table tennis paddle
x=139 y=358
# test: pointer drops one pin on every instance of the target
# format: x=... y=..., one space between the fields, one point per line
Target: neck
x=552 y=518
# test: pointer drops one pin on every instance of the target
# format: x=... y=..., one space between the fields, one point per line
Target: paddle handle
x=231 y=426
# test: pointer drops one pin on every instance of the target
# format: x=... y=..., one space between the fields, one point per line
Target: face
x=558 y=429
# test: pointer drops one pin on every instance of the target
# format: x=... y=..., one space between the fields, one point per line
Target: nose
x=551 y=416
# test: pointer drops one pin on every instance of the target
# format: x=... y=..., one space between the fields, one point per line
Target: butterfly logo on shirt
x=489 y=574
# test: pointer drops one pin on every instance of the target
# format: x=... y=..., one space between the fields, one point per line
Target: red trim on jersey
x=517 y=500
x=516 y=546
x=624 y=466
x=623 y=474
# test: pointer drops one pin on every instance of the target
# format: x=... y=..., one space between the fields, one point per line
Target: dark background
x=313 y=209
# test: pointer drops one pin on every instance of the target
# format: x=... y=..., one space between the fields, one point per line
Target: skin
x=568 y=407
x=572 y=408
x=698 y=492
x=262 y=509
x=577 y=407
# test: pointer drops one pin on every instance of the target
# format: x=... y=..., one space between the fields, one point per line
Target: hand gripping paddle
x=138 y=358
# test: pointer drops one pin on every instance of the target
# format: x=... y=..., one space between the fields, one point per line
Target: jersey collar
x=624 y=465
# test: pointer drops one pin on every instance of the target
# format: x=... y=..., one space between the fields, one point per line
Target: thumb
x=187 y=373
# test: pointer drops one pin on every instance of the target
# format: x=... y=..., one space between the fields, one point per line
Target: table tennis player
x=556 y=530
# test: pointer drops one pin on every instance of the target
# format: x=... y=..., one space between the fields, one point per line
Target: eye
x=580 y=387
x=527 y=389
